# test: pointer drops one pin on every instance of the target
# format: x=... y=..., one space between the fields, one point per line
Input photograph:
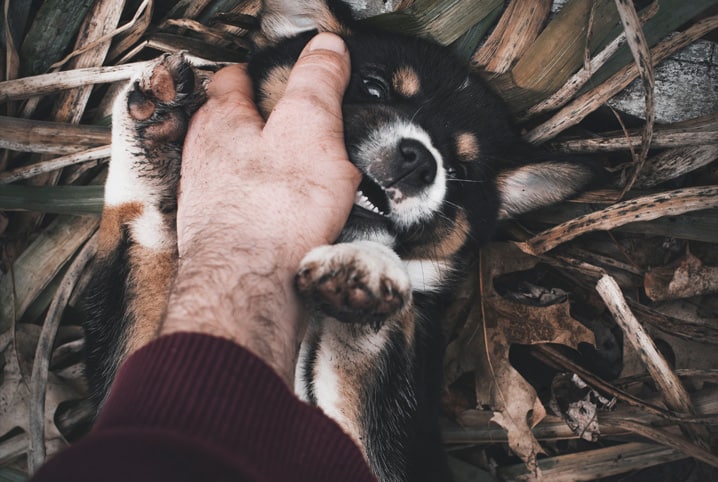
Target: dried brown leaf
x=39 y=401
x=38 y=265
x=498 y=385
x=684 y=278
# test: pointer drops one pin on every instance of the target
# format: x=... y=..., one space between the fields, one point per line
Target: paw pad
x=163 y=97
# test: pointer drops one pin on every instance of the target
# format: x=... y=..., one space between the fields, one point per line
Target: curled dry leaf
x=684 y=278
x=578 y=405
x=497 y=323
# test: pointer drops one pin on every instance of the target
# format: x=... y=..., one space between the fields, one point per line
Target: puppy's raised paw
x=361 y=282
x=163 y=97
x=149 y=122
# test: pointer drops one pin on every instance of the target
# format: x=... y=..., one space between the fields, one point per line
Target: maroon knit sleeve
x=194 y=407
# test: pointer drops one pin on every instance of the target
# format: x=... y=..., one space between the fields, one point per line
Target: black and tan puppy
x=442 y=165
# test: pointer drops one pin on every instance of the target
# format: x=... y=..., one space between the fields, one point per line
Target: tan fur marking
x=448 y=239
x=151 y=276
x=327 y=22
x=171 y=129
x=406 y=81
x=162 y=84
x=141 y=110
x=467 y=146
x=350 y=366
x=113 y=219
x=537 y=185
x=273 y=88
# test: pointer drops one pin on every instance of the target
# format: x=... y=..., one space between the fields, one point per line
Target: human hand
x=255 y=198
x=297 y=159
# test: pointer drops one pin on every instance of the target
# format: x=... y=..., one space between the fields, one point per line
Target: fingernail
x=327 y=41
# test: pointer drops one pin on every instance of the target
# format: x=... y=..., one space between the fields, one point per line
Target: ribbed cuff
x=224 y=397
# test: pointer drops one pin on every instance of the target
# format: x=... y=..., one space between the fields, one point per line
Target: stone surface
x=686 y=86
x=367 y=8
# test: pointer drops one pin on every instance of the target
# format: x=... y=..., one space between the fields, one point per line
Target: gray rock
x=686 y=86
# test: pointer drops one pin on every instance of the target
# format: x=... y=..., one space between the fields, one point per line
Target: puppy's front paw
x=361 y=282
x=162 y=98
x=149 y=122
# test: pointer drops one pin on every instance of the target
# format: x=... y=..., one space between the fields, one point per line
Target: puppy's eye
x=375 y=87
x=457 y=172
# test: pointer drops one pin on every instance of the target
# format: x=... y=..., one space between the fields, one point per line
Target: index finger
x=231 y=89
x=312 y=102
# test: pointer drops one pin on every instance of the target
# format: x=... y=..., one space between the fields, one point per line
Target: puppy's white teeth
x=361 y=200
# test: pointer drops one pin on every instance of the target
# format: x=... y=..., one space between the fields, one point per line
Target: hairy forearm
x=241 y=292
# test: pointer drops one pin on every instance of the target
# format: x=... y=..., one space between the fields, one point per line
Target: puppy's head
x=441 y=162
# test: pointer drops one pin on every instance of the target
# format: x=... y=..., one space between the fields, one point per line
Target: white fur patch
x=380 y=236
x=537 y=185
x=124 y=184
x=152 y=231
x=427 y=275
x=326 y=386
x=373 y=234
x=300 y=382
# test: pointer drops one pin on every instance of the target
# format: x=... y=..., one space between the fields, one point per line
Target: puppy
x=441 y=167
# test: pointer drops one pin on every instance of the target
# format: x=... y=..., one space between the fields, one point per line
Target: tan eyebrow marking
x=467 y=146
x=406 y=81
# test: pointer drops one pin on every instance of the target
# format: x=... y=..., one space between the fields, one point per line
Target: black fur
x=106 y=329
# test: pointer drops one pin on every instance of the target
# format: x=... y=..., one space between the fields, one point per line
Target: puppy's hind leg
x=136 y=255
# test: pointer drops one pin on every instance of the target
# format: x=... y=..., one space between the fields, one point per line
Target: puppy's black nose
x=416 y=164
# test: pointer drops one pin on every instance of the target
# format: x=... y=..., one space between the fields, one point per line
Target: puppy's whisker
x=467 y=181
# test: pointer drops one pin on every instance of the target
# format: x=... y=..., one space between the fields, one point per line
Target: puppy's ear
x=287 y=18
x=541 y=184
